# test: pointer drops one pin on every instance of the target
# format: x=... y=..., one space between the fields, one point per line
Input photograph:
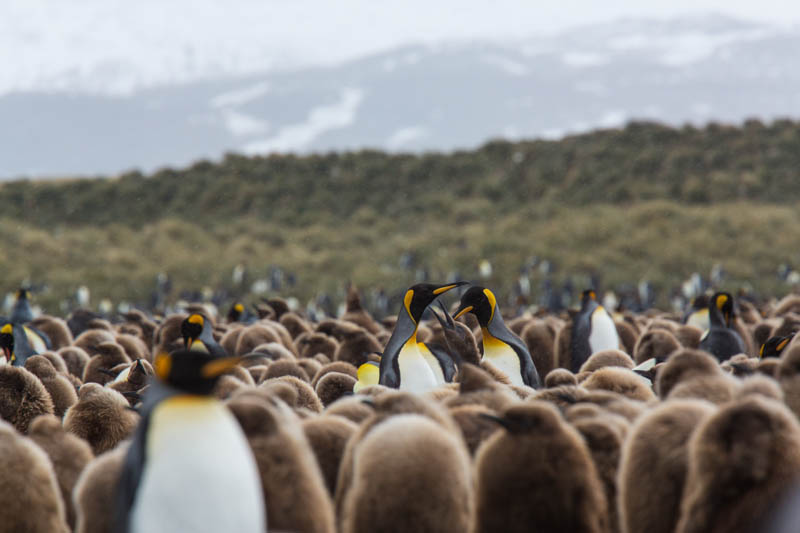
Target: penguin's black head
x=7 y=342
x=479 y=301
x=190 y=371
x=236 y=312
x=774 y=346
x=22 y=294
x=192 y=328
x=722 y=302
x=588 y=296
x=421 y=295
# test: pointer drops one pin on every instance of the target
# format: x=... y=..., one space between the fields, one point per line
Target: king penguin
x=15 y=343
x=189 y=467
x=774 y=346
x=720 y=339
x=593 y=331
x=501 y=347
x=196 y=331
x=404 y=364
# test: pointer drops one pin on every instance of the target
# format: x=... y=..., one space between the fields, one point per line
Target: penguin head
x=588 y=296
x=420 y=296
x=721 y=304
x=22 y=294
x=192 y=371
x=191 y=329
x=236 y=312
x=479 y=301
x=7 y=342
x=774 y=346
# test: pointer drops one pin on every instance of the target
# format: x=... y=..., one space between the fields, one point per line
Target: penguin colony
x=451 y=417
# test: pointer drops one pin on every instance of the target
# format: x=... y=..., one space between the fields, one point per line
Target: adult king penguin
x=189 y=467
x=501 y=347
x=197 y=335
x=14 y=341
x=404 y=364
x=720 y=339
x=593 y=330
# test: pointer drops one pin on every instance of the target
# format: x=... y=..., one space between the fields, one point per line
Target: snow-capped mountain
x=411 y=99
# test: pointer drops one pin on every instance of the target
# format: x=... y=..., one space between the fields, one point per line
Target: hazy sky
x=58 y=41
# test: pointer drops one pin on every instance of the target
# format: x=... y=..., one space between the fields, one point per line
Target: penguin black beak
x=462 y=311
x=447 y=321
x=444 y=288
x=506 y=424
x=107 y=372
x=369 y=402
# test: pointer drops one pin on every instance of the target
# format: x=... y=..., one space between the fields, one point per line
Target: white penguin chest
x=199 y=473
x=503 y=357
x=416 y=375
x=604 y=334
x=436 y=368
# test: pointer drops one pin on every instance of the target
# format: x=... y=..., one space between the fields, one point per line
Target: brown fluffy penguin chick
x=388 y=403
x=56 y=330
x=539 y=340
x=762 y=386
x=76 y=360
x=328 y=436
x=689 y=336
x=295 y=324
x=22 y=397
x=604 y=435
x=145 y=325
x=352 y=408
x=741 y=460
x=559 y=376
x=627 y=335
x=409 y=475
x=31 y=501
x=274 y=351
x=107 y=356
x=356 y=347
x=477 y=387
x=333 y=386
x=558 y=490
x=317 y=343
x=355 y=312
x=562 y=344
x=680 y=366
x=306 y=397
x=133 y=346
x=89 y=340
x=562 y=396
x=133 y=379
x=622 y=381
x=768 y=367
x=68 y=453
x=58 y=387
x=95 y=491
x=653 y=466
x=253 y=336
x=788 y=375
x=286 y=368
x=606 y=358
x=287 y=465
x=102 y=417
x=717 y=388
x=462 y=343
x=231 y=337
x=658 y=343
x=740 y=365
x=336 y=366
x=475 y=427
x=310 y=366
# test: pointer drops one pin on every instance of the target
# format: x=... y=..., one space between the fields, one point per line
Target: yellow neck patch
x=162 y=365
x=7 y=329
x=407 y=303
x=492 y=302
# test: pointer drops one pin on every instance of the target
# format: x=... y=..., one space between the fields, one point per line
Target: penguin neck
x=491 y=343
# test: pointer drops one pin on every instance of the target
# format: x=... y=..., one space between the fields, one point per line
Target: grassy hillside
x=646 y=201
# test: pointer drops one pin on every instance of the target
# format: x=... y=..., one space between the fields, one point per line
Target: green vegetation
x=646 y=201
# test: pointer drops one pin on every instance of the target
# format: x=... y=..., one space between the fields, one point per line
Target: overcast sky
x=56 y=39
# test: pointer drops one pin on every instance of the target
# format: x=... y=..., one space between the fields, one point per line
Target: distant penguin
x=721 y=340
x=697 y=315
x=22 y=312
x=189 y=467
x=403 y=365
x=196 y=331
x=593 y=330
x=15 y=344
x=501 y=347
